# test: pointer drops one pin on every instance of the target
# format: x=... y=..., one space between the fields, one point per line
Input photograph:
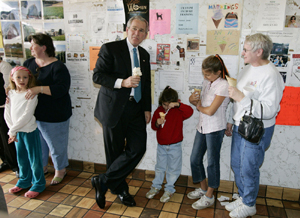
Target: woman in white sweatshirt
x=261 y=83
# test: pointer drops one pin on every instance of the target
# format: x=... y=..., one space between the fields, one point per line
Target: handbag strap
x=261 y=109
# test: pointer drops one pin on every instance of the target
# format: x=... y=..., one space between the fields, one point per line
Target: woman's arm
x=211 y=110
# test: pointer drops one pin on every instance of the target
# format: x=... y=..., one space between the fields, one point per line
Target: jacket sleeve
x=187 y=111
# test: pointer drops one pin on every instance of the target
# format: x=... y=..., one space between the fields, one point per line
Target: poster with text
x=187 y=18
x=224 y=16
x=134 y=8
x=160 y=22
x=163 y=53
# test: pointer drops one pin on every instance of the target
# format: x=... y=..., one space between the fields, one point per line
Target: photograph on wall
x=224 y=16
x=14 y=62
x=27 y=50
x=11 y=30
x=53 y=9
x=280 y=48
x=9 y=10
x=163 y=54
x=31 y=10
x=55 y=30
x=292 y=21
x=13 y=50
x=279 y=60
x=31 y=29
x=224 y=42
x=60 y=52
x=192 y=44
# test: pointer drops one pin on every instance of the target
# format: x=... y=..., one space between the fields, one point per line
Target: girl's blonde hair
x=31 y=80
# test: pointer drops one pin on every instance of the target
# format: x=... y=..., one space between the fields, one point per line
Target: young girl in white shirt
x=19 y=116
x=211 y=104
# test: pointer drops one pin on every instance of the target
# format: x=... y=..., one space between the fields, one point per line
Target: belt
x=131 y=98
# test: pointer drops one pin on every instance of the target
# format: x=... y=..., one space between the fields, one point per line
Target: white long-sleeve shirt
x=19 y=113
x=264 y=85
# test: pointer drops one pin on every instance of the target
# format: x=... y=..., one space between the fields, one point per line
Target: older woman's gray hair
x=259 y=40
x=138 y=18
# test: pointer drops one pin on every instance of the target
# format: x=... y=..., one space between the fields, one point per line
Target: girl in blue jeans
x=168 y=122
x=211 y=104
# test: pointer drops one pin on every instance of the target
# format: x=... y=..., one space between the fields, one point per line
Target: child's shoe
x=31 y=194
x=15 y=190
x=203 y=202
x=243 y=211
x=166 y=197
x=153 y=191
x=198 y=193
x=235 y=204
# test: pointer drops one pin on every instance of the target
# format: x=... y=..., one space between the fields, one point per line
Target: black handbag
x=252 y=128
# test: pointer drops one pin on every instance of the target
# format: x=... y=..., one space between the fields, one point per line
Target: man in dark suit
x=124 y=108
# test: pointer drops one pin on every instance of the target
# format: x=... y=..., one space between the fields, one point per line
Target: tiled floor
x=75 y=197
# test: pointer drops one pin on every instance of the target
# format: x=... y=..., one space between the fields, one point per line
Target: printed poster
x=133 y=8
x=94 y=51
x=163 y=53
x=224 y=16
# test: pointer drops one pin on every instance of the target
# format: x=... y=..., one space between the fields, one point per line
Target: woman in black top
x=54 y=110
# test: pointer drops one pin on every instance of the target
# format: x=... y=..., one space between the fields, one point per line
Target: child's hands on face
x=173 y=104
x=12 y=139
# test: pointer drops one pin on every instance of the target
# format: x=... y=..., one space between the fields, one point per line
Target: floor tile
x=96 y=207
x=73 y=173
x=291 y=194
x=149 y=175
x=177 y=198
x=262 y=191
x=7 y=178
x=133 y=190
x=164 y=214
x=11 y=209
x=184 y=216
x=276 y=212
x=274 y=192
x=291 y=205
x=274 y=203
x=137 y=183
x=32 y=204
x=180 y=189
x=261 y=201
x=142 y=192
x=45 y=195
x=81 y=191
x=77 y=181
x=182 y=181
x=171 y=207
x=36 y=215
x=133 y=211
x=262 y=210
x=77 y=212
x=147 y=184
x=154 y=204
x=109 y=215
x=9 y=197
x=85 y=175
x=58 y=197
x=292 y=213
x=141 y=201
x=186 y=200
x=147 y=213
x=205 y=213
x=86 y=203
x=226 y=186
x=61 y=210
x=138 y=174
x=221 y=213
x=46 y=207
x=109 y=196
x=68 y=189
x=72 y=200
x=20 y=213
x=94 y=214
x=116 y=208
x=18 y=202
x=186 y=209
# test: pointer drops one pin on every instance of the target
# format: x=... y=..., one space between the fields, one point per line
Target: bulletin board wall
x=86 y=28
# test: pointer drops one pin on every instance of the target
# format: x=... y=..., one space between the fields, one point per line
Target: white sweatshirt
x=264 y=85
x=19 y=113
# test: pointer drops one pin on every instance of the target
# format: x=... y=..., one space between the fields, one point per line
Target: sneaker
x=153 y=191
x=166 y=197
x=203 y=202
x=198 y=193
x=235 y=204
x=243 y=211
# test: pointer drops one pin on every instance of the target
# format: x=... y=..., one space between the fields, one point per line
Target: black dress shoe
x=3 y=167
x=127 y=199
x=100 y=191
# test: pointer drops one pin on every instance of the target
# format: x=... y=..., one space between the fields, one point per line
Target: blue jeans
x=211 y=143
x=169 y=162
x=55 y=137
x=29 y=156
x=246 y=158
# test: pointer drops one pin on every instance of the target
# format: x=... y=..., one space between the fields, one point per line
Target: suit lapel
x=126 y=56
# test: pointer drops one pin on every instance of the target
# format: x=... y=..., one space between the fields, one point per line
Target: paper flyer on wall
x=75 y=43
x=76 y=21
x=271 y=15
x=293 y=76
x=187 y=18
x=174 y=79
x=115 y=12
x=195 y=73
x=160 y=22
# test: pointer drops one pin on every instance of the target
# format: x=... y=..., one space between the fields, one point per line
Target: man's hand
x=147 y=116
x=131 y=82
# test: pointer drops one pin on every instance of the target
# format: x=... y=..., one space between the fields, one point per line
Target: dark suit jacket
x=2 y=90
x=114 y=62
